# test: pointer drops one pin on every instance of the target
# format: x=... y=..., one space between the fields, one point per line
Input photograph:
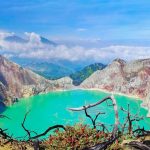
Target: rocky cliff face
x=131 y=78
x=16 y=82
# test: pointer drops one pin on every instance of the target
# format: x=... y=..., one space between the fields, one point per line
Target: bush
x=77 y=137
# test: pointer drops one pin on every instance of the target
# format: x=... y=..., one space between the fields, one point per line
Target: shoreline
x=96 y=89
x=101 y=90
x=116 y=93
x=122 y=94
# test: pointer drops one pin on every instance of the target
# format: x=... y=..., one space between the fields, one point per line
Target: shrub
x=77 y=137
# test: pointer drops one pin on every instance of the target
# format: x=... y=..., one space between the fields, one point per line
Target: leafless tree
x=91 y=118
x=139 y=145
x=141 y=132
x=34 y=139
x=130 y=119
x=114 y=135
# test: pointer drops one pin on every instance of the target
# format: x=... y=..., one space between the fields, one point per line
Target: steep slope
x=131 y=78
x=16 y=82
x=80 y=76
x=46 y=41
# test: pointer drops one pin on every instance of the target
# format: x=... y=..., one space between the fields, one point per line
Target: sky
x=104 y=19
x=93 y=24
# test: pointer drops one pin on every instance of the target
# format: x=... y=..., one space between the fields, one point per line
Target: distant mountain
x=49 y=70
x=17 y=39
x=14 y=38
x=74 y=65
x=17 y=82
x=60 y=69
x=80 y=76
x=46 y=41
x=52 y=69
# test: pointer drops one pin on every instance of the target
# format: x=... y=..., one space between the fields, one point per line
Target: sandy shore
x=96 y=89
x=115 y=93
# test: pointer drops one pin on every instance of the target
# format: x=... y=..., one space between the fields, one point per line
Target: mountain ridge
x=130 y=78
x=17 y=82
x=49 y=70
x=18 y=39
x=79 y=76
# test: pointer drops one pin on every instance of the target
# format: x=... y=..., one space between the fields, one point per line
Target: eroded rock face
x=128 y=78
x=17 y=82
x=131 y=78
x=64 y=83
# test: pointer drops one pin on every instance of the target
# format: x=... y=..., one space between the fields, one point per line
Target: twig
x=46 y=131
x=93 y=120
x=139 y=145
x=28 y=132
x=114 y=136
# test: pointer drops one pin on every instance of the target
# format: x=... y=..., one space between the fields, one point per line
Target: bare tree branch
x=46 y=131
x=104 y=145
x=4 y=116
x=103 y=127
x=2 y=132
x=28 y=132
x=130 y=119
x=38 y=135
x=141 y=132
x=93 y=120
x=114 y=136
x=139 y=145
x=90 y=105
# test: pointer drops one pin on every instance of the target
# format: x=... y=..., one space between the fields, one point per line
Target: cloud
x=34 y=48
x=33 y=37
x=5 y=34
x=126 y=52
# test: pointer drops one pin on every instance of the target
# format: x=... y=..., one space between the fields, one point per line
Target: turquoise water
x=52 y=108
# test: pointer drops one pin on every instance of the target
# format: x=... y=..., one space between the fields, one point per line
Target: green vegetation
x=54 y=71
x=80 y=76
x=82 y=137
x=77 y=137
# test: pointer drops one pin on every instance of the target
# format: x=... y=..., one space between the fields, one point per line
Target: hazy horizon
x=98 y=30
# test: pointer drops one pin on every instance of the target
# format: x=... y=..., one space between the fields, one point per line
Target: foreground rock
x=131 y=78
x=17 y=82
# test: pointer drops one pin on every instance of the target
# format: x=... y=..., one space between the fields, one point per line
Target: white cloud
x=127 y=52
x=36 y=49
x=5 y=34
x=33 y=37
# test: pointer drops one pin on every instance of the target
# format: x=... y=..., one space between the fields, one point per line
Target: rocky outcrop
x=17 y=82
x=64 y=83
x=131 y=78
